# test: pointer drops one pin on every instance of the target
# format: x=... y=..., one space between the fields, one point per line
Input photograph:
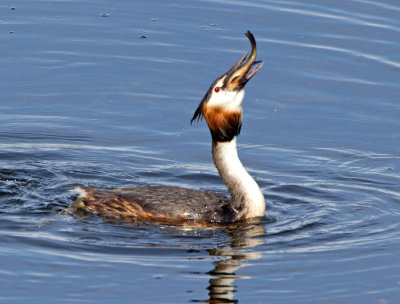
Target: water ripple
x=354 y=53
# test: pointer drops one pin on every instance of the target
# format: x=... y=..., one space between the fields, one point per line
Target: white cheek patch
x=226 y=99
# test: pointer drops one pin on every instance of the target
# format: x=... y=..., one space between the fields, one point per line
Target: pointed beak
x=240 y=73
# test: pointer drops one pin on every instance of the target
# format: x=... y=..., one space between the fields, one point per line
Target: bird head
x=222 y=105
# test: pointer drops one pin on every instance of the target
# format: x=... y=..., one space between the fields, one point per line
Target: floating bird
x=221 y=107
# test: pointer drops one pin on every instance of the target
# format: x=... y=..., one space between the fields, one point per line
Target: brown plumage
x=152 y=203
x=223 y=124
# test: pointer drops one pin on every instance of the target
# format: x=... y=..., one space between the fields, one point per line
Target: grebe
x=221 y=107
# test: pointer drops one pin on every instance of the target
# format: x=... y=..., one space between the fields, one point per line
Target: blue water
x=101 y=93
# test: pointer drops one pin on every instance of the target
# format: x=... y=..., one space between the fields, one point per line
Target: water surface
x=101 y=93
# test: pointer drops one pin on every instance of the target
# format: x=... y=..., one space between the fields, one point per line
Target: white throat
x=246 y=195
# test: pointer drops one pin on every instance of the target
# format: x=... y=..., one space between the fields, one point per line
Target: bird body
x=221 y=107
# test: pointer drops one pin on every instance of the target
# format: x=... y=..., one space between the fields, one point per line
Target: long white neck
x=246 y=195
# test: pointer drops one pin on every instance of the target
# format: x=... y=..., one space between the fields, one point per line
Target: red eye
x=216 y=89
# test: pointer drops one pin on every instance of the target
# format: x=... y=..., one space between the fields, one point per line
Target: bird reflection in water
x=236 y=255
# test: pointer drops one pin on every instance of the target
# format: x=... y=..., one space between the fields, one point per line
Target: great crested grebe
x=222 y=109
